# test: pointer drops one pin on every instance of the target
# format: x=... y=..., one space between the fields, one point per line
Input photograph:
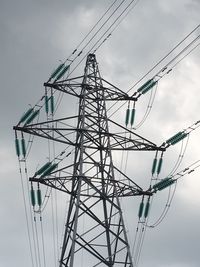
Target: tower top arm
x=73 y=87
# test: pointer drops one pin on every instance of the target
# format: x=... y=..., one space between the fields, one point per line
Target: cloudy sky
x=35 y=37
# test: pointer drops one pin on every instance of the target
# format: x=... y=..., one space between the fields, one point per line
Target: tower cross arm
x=133 y=142
x=65 y=88
x=111 y=92
x=107 y=91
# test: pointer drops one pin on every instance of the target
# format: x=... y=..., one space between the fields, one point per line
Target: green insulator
x=50 y=169
x=159 y=165
x=160 y=184
x=32 y=197
x=140 y=212
x=132 y=116
x=52 y=104
x=46 y=104
x=154 y=166
x=17 y=147
x=43 y=168
x=147 y=88
x=179 y=138
x=171 y=139
x=146 y=211
x=59 y=68
x=127 y=116
x=145 y=85
x=166 y=184
x=63 y=71
x=39 y=197
x=26 y=115
x=23 y=147
x=32 y=117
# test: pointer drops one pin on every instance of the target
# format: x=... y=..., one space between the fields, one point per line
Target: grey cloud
x=35 y=35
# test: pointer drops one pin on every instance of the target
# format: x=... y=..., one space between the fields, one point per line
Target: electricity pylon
x=94 y=225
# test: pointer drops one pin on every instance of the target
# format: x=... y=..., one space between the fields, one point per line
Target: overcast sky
x=34 y=37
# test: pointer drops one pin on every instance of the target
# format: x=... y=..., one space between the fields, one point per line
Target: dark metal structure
x=94 y=226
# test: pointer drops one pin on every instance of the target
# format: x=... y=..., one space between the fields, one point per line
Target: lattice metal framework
x=94 y=226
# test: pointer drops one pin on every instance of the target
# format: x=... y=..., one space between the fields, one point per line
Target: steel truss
x=94 y=226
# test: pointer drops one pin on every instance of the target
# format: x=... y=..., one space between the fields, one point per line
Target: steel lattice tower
x=94 y=224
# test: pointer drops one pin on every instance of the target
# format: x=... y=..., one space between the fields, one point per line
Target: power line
x=92 y=49
x=160 y=61
x=92 y=178
x=95 y=25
